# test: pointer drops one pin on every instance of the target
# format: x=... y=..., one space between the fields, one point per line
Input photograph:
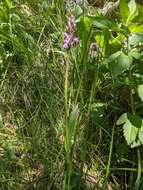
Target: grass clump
x=71 y=95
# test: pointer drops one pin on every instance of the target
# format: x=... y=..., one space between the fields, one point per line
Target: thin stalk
x=110 y=152
x=138 y=180
x=124 y=169
x=132 y=102
x=109 y=160
x=66 y=90
x=66 y=85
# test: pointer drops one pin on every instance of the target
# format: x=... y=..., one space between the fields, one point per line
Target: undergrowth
x=71 y=95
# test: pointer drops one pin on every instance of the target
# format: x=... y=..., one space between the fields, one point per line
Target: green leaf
x=103 y=24
x=139 y=17
x=135 y=54
x=140 y=139
x=133 y=11
x=135 y=120
x=136 y=39
x=114 y=56
x=121 y=64
x=140 y=91
x=122 y=119
x=124 y=10
x=132 y=129
x=141 y=135
x=78 y=12
x=130 y=132
x=136 y=28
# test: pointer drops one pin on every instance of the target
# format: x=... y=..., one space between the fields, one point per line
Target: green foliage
x=124 y=9
x=133 y=129
x=61 y=110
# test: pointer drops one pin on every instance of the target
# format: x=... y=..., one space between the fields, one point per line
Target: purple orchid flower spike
x=67 y=40
x=70 y=37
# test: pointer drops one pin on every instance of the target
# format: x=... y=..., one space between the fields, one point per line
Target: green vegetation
x=71 y=95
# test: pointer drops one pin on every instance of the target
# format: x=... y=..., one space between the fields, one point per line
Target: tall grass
x=59 y=108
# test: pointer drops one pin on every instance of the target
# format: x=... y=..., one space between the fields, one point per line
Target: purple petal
x=66 y=46
x=75 y=40
x=66 y=35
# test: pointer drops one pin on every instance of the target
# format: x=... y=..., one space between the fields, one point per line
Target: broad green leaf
x=114 y=56
x=140 y=139
x=135 y=144
x=135 y=120
x=122 y=119
x=121 y=64
x=132 y=128
x=135 y=39
x=133 y=11
x=124 y=10
x=136 y=28
x=78 y=12
x=140 y=91
x=141 y=135
x=100 y=23
x=135 y=54
x=130 y=132
x=139 y=17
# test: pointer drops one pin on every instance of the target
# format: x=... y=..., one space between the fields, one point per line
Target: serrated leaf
x=135 y=144
x=135 y=120
x=139 y=140
x=132 y=129
x=140 y=91
x=141 y=135
x=122 y=119
x=130 y=132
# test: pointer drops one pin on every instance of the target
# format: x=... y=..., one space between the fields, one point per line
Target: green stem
x=66 y=91
x=110 y=152
x=138 y=180
x=124 y=169
x=132 y=102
